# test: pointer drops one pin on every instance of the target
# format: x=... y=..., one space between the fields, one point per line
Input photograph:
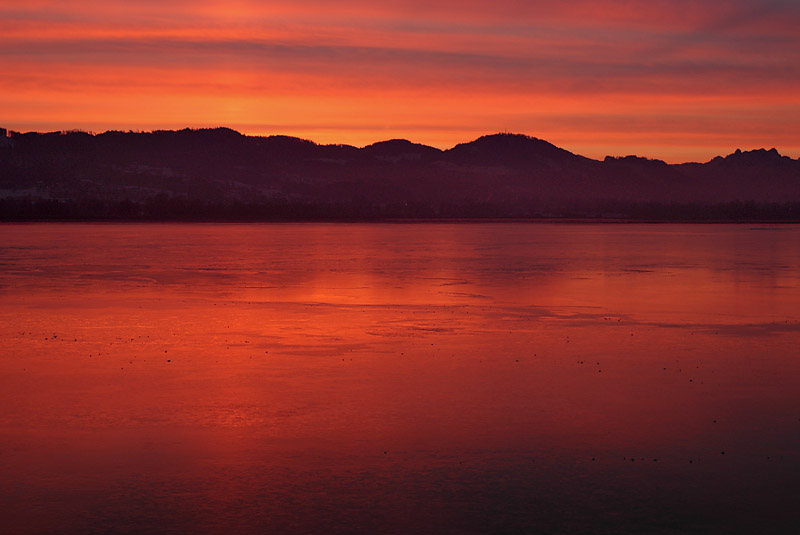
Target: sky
x=678 y=80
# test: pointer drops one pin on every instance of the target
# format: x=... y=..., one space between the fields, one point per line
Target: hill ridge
x=508 y=175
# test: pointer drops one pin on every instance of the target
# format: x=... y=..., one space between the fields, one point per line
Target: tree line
x=175 y=208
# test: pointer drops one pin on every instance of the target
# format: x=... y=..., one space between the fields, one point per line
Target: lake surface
x=399 y=378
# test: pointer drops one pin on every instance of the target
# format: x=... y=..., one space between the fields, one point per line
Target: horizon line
x=8 y=133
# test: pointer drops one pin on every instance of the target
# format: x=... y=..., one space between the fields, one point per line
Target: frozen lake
x=399 y=378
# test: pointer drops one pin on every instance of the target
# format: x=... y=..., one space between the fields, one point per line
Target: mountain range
x=222 y=174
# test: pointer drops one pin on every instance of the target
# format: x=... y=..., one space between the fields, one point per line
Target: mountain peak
x=508 y=140
x=395 y=147
x=752 y=157
x=505 y=148
x=396 y=150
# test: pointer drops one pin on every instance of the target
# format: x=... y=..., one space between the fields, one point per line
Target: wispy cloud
x=653 y=66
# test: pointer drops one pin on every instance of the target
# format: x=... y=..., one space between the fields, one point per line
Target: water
x=414 y=378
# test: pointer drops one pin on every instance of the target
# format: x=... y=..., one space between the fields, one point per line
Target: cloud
x=666 y=64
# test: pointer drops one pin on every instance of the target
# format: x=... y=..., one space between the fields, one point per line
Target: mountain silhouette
x=512 y=150
x=501 y=175
x=396 y=150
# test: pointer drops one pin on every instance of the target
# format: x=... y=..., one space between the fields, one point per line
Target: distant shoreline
x=410 y=221
x=166 y=209
x=218 y=175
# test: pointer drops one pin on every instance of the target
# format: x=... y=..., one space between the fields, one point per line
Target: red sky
x=679 y=80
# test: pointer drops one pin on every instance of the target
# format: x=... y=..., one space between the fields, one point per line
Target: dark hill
x=400 y=149
x=500 y=175
x=512 y=150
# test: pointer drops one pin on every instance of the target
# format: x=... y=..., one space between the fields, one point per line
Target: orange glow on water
x=176 y=375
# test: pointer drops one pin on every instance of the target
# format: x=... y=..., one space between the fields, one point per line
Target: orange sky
x=678 y=80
